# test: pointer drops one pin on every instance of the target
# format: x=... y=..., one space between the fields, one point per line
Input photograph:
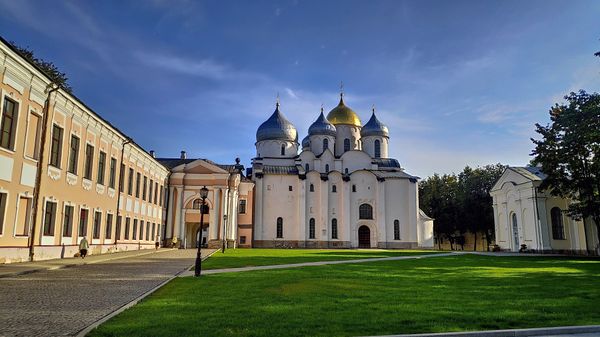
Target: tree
x=52 y=71
x=569 y=153
x=438 y=198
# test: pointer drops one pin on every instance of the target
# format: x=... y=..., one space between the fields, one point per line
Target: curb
x=69 y=265
x=560 y=330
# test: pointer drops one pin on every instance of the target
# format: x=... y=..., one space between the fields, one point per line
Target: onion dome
x=305 y=142
x=277 y=127
x=374 y=128
x=342 y=114
x=322 y=127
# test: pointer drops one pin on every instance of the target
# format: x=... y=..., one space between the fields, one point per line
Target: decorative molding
x=71 y=178
x=111 y=192
x=87 y=184
x=54 y=173
x=100 y=189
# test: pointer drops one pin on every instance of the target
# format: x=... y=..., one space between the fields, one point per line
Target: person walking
x=83 y=247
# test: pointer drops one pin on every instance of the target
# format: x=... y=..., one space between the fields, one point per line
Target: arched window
x=311 y=188
x=558 y=228
x=334 y=189
x=279 y=227
x=365 y=211
x=326 y=168
x=396 y=230
x=346 y=170
x=346 y=144
x=306 y=167
x=353 y=188
x=283 y=149
x=311 y=228
x=377 y=148
x=196 y=204
x=334 y=229
x=325 y=144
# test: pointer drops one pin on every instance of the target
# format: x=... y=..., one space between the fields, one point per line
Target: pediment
x=199 y=167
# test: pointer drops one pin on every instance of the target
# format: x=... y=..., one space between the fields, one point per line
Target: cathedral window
x=306 y=167
x=558 y=228
x=311 y=188
x=283 y=150
x=396 y=230
x=334 y=229
x=377 y=148
x=353 y=188
x=365 y=211
x=311 y=228
x=346 y=144
x=326 y=168
x=196 y=204
x=325 y=144
x=333 y=189
x=279 y=227
x=346 y=170
x=290 y=188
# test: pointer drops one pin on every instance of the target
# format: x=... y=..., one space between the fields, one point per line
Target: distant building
x=526 y=215
x=342 y=190
x=86 y=168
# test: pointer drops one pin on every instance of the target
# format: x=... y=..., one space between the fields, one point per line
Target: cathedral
x=339 y=190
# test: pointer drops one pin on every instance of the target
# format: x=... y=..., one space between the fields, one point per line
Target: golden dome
x=342 y=114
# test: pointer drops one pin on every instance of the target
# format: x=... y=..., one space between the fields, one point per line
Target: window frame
x=48 y=229
x=67 y=229
x=101 y=167
x=396 y=229
x=73 y=163
x=334 y=229
x=112 y=172
x=557 y=222
x=56 y=140
x=279 y=234
x=365 y=211
x=311 y=229
x=89 y=161
x=14 y=122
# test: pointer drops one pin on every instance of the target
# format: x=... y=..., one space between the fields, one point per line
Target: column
x=381 y=220
x=169 y=222
x=214 y=213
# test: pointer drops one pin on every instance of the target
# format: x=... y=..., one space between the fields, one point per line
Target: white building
x=342 y=190
x=526 y=215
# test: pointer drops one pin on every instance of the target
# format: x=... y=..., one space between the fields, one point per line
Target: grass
x=235 y=258
x=453 y=293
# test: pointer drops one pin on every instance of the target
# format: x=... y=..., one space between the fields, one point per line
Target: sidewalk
x=20 y=268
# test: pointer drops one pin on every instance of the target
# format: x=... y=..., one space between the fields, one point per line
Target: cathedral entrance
x=364 y=237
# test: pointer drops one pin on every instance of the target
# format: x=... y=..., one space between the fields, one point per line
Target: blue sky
x=457 y=82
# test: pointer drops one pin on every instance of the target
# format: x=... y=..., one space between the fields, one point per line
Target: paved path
x=308 y=264
x=64 y=301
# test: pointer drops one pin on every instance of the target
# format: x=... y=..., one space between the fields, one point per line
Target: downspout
x=166 y=205
x=121 y=181
x=38 y=177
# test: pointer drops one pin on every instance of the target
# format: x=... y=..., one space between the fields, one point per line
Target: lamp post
x=198 y=268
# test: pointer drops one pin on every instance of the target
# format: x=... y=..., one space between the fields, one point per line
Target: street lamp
x=198 y=268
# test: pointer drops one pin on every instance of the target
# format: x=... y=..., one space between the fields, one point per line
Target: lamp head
x=203 y=192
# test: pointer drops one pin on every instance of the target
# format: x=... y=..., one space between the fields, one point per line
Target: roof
x=171 y=163
x=342 y=114
x=393 y=175
x=386 y=162
x=374 y=127
x=533 y=173
x=279 y=169
x=277 y=127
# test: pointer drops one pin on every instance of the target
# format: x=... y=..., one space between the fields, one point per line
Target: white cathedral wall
x=356 y=160
x=316 y=143
x=272 y=148
x=346 y=131
x=278 y=201
x=368 y=145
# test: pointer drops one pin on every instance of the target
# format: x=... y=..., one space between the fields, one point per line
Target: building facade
x=228 y=207
x=66 y=173
x=341 y=191
x=527 y=217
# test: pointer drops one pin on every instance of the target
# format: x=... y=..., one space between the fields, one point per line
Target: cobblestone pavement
x=65 y=301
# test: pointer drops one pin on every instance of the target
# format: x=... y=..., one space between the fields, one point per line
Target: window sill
x=7 y=150
x=71 y=178
x=54 y=172
x=87 y=184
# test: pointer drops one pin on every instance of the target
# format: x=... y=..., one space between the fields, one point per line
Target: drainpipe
x=121 y=182
x=165 y=205
x=52 y=87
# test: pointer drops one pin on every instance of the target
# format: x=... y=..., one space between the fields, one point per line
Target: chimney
x=152 y=154
x=183 y=156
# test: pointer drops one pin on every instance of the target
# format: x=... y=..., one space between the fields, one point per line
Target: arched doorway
x=515 y=231
x=364 y=237
x=201 y=236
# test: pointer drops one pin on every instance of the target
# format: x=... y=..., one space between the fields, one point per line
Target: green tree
x=51 y=70
x=569 y=153
x=438 y=199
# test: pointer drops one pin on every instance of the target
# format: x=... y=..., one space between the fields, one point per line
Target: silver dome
x=277 y=127
x=305 y=142
x=374 y=128
x=322 y=126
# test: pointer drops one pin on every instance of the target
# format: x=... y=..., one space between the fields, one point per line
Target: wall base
x=21 y=254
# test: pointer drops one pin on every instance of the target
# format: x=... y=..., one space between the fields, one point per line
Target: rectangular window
x=242 y=206
x=33 y=136
x=242 y=240
x=101 y=168
x=290 y=188
x=130 y=182
x=73 y=154
x=108 y=233
x=97 y=224
x=150 y=190
x=118 y=228
x=23 y=217
x=3 y=197
x=141 y=230
x=147 y=231
x=49 y=218
x=111 y=175
x=121 y=177
x=68 y=221
x=162 y=195
x=56 y=147
x=127 y=227
x=83 y=222
x=134 y=229
x=156 y=193
x=153 y=231
x=144 y=188
x=8 y=126
x=89 y=161
x=137 y=184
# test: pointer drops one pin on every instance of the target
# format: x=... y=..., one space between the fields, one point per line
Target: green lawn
x=234 y=258
x=452 y=293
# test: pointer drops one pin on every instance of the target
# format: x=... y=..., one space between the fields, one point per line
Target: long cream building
x=77 y=168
